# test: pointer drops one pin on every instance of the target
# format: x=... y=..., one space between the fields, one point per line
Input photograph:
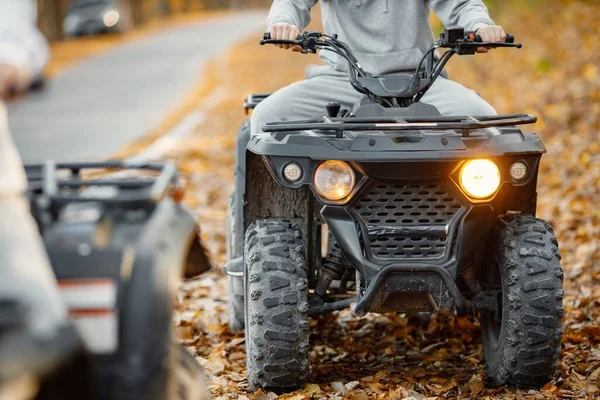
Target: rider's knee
x=259 y=114
x=484 y=109
x=476 y=105
x=267 y=110
x=243 y=137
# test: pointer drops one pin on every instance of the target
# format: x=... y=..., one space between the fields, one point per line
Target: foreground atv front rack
x=63 y=182
x=395 y=124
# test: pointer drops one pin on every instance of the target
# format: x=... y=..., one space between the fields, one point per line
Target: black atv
x=417 y=212
x=119 y=241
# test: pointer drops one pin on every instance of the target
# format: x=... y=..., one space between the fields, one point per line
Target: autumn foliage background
x=555 y=76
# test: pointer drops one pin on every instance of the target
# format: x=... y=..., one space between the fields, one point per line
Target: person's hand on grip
x=490 y=33
x=285 y=31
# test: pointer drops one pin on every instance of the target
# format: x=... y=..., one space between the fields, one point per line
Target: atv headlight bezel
x=334 y=180
x=480 y=178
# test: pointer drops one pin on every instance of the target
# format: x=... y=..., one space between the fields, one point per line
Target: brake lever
x=489 y=44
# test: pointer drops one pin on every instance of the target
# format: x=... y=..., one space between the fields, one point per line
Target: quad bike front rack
x=395 y=124
x=115 y=185
x=63 y=182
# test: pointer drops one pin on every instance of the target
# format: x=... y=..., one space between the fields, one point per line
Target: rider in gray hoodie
x=387 y=37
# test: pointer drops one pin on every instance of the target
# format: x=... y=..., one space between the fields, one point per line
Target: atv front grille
x=407 y=221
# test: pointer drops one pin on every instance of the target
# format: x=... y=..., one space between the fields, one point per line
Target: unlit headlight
x=334 y=179
x=480 y=178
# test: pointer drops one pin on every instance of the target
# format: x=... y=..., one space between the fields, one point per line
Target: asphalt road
x=89 y=111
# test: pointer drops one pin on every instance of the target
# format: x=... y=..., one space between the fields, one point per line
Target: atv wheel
x=276 y=306
x=235 y=285
x=521 y=343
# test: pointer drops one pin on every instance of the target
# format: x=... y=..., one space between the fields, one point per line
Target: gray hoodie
x=386 y=36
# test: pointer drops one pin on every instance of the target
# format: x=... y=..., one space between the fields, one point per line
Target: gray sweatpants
x=308 y=98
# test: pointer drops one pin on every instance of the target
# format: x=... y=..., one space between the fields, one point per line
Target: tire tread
x=277 y=357
x=527 y=252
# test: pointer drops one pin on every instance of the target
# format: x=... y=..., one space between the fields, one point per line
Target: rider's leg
x=452 y=98
x=305 y=99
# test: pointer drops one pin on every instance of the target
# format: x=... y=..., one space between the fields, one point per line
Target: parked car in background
x=93 y=17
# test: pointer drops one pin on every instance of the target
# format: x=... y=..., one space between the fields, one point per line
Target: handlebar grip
x=476 y=38
x=267 y=39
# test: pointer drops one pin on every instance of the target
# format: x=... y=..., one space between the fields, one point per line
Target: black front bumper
x=410 y=242
x=411 y=287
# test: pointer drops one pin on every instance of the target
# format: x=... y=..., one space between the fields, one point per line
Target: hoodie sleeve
x=21 y=43
x=470 y=14
x=294 y=12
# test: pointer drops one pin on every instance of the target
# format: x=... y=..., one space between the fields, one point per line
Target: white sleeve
x=294 y=12
x=470 y=14
x=21 y=43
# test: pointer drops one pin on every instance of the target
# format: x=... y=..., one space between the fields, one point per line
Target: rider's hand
x=13 y=81
x=285 y=31
x=490 y=33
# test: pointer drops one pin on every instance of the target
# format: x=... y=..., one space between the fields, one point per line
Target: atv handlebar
x=468 y=37
x=455 y=39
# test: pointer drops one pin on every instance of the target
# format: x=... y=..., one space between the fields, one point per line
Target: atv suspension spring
x=335 y=266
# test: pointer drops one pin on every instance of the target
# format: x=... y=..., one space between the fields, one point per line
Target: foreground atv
x=419 y=213
x=119 y=243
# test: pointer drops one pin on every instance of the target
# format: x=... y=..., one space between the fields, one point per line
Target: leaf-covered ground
x=554 y=76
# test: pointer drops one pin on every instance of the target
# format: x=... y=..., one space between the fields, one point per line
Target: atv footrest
x=377 y=284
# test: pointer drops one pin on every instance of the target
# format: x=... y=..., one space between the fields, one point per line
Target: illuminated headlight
x=480 y=178
x=111 y=18
x=518 y=171
x=292 y=172
x=334 y=180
